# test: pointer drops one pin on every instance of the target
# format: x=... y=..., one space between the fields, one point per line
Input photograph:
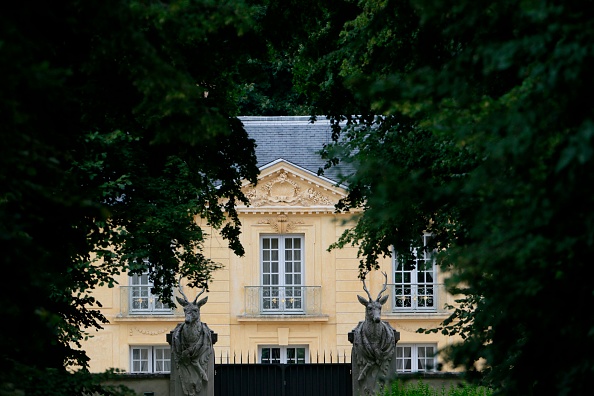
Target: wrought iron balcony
x=283 y=300
x=418 y=297
x=138 y=300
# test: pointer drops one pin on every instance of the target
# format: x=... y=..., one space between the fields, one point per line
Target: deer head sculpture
x=373 y=309
x=191 y=309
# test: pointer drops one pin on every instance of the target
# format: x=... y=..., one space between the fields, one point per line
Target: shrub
x=420 y=388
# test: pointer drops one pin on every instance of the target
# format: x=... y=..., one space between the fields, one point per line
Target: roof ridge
x=283 y=120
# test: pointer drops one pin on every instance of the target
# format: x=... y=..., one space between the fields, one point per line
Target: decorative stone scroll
x=281 y=224
x=374 y=347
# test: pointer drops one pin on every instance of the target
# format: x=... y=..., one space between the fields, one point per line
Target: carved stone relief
x=149 y=332
x=281 y=224
x=285 y=190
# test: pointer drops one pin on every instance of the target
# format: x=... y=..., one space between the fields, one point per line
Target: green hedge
x=420 y=388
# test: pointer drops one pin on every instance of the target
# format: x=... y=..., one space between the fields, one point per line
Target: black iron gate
x=311 y=379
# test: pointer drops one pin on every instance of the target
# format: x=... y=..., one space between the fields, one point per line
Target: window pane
x=265 y=355
x=275 y=358
x=403 y=351
x=297 y=243
x=300 y=355
x=421 y=277
x=291 y=355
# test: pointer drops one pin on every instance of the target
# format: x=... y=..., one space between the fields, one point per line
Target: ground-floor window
x=283 y=354
x=150 y=359
x=416 y=357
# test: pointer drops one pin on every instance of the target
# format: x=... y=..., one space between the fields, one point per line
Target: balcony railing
x=138 y=300
x=283 y=300
x=418 y=297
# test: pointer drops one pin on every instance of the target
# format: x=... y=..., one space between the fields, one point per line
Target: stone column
x=175 y=385
x=373 y=363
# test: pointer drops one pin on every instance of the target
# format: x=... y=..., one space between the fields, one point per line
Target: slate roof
x=294 y=139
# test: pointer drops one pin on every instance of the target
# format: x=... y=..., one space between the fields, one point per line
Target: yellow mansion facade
x=288 y=299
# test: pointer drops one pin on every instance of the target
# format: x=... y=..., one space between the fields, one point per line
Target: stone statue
x=192 y=351
x=374 y=347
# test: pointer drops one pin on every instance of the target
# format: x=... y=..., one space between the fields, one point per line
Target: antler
x=384 y=289
x=365 y=287
x=199 y=294
x=179 y=287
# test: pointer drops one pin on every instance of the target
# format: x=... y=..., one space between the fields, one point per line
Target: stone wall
x=158 y=384
x=144 y=384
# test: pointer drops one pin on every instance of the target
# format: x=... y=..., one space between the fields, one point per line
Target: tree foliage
x=117 y=132
x=472 y=122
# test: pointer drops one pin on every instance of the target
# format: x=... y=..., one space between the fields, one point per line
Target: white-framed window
x=416 y=357
x=281 y=258
x=141 y=298
x=415 y=287
x=292 y=354
x=150 y=359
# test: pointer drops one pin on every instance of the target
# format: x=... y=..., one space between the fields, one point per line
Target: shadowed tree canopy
x=466 y=119
x=471 y=120
x=117 y=130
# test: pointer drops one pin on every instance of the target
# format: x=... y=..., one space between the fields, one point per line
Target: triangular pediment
x=285 y=186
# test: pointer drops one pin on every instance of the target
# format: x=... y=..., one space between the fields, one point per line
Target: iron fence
x=236 y=377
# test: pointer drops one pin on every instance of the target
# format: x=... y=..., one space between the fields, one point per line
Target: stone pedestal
x=371 y=376
x=206 y=387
